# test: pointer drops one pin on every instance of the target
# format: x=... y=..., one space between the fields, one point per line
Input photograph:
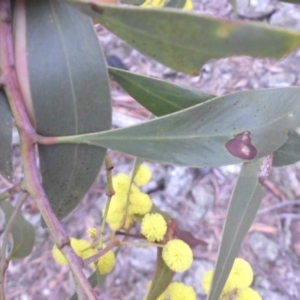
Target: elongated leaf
x=6 y=125
x=291 y=1
x=185 y=41
x=22 y=232
x=162 y=278
x=242 y=210
x=158 y=96
x=70 y=95
x=289 y=152
x=133 y=2
x=162 y=98
x=224 y=130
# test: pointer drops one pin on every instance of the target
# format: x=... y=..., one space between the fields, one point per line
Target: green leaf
x=225 y=130
x=289 y=152
x=185 y=41
x=22 y=232
x=242 y=210
x=175 y=3
x=158 y=96
x=133 y=2
x=70 y=95
x=291 y=1
x=6 y=125
x=162 y=98
x=162 y=278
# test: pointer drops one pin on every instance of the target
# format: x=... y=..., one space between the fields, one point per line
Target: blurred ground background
x=196 y=198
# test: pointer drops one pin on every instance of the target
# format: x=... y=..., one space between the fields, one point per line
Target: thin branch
x=27 y=134
x=10 y=192
x=101 y=252
x=109 y=192
x=4 y=262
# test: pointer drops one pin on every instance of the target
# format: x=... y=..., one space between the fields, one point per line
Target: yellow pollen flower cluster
x=238 y=282
x=106 y=262
x=139 y=202
x=177 y=255
x=80 y=247
x=92 y=232
x=154 y=227
x=161 y=3
x=84 y=249
x=143 y=175
x=176 y=291
x=154 y=3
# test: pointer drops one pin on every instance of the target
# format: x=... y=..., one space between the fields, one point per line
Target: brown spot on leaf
x=240 y=146
x=95 y=8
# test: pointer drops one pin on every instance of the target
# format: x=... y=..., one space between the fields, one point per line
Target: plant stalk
x=28 y=135
x=109 y=192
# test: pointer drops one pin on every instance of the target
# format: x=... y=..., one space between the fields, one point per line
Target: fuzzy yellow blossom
x=92 y=232
x=106 y=262
x=78 y=246
x=239 y=279
x=140 y=204
x=143 y=175
x=180 y=291
x=177 y=255
x=206 y=281
x=241 y=275
x=121 y=183
x=154 y=3
x=154 y=227
x=188 y=5
x=115 y=213
x=248 y=294
x=129 y=221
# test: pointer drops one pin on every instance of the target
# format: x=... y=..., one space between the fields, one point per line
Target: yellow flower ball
x=129 y=221
x=180 y=291
x=121 y=183
x=92 y=232
x=241 y=275
x=88 y=252
x=154 y=3
x=177 y=255
x=115 y=220
x=143 y=175
x=77 y=245
x=154 y=227
x=140 y=203
x=106 y=262
x=206 y=281
x=115 y=213
x=188 y=5
x=248 y=294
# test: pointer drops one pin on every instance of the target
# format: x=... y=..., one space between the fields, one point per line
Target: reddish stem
x=27 y=134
